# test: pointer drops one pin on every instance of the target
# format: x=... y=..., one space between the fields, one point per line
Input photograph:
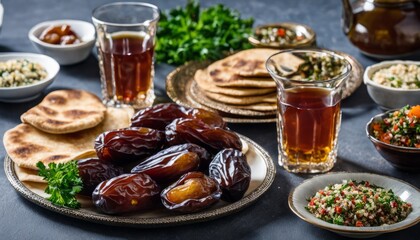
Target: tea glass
x=125 y=41
x=309 y=115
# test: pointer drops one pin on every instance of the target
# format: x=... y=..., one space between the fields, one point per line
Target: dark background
x=269 y=217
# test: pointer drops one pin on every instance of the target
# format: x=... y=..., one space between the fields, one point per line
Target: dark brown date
x=128 y=145
x=213 y=139
x=171 y=163
x=160 y=115
x=193 y=192
x=231 y=170
x=93 y=171
x=126 y=193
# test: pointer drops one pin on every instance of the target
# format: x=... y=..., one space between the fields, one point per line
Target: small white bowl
x=407 y=192
x=389 y=97
x=29 y=92
x=65 y=54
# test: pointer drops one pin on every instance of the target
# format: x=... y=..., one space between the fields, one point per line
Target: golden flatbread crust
x=268 y=98
x=66 y=111
x=206 y=85
x=246 y=63
x=225 y=79
x=27 y=145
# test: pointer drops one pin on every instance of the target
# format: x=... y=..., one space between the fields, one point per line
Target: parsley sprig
x=186 y=34
x=64 y=183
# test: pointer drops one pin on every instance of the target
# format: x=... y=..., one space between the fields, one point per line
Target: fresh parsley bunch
x=186 y=34
x=64 y=182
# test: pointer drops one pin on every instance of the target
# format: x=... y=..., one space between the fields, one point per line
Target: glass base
x=308 y=168
x=140 y=102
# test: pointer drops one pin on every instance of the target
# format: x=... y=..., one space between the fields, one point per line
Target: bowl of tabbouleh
x=393 y=84
x=23 y=76
x=357 y=205
x=396 y=136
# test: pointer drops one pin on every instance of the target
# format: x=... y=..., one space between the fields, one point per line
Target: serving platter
x=297 y=202
x=182 y=89
x=262 y=176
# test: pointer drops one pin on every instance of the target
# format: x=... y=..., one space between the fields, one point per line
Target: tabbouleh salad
x=358 y=204
x=401 y=128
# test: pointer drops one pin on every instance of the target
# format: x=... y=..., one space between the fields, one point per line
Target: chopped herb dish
x=279 y=35
x=358 y=204
x=20 y=72
x=401 y=128
x=404 y=76
x=316 y=68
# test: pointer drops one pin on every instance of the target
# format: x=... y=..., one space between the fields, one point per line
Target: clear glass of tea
x=309 y=87
x=125 y=41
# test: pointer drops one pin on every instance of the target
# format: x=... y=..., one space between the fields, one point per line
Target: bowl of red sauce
x=67 y=41
x=396 y=136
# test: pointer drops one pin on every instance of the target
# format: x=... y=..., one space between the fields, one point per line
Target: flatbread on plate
x=27 y=145
x=226 y=79
x=268 y=98
x=66 y=111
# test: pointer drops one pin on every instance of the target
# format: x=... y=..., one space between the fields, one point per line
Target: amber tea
x=127 y=64
x=311 y=120
x=125 y=40
x=308 y=102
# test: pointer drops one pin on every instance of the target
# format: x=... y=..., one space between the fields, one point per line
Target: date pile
x=183 y=158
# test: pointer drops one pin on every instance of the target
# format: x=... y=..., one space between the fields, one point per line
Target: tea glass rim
x=143 y=4
x=306 y=82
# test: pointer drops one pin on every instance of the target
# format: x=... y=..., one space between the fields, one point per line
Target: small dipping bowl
x=302 y=31
x=65 y=54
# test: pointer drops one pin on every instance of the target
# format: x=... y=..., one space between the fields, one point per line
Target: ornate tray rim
x=132 y=221
x=184 y=99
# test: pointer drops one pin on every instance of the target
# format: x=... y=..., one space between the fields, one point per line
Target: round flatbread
x=246 y=63
x=27 y=145
x=268 y=98
x=209 y=86
x=66 y=111
x=261 y=107
x=227 y=79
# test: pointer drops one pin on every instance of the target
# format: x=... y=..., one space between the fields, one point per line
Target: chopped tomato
x=394 y=204
x=367 y=184
x=312 y=202
x=364 y=198
x=323 y=211
x=359 y=224
x=336 y=199
x=281 y=32
x=377 y=127
x=338 y=209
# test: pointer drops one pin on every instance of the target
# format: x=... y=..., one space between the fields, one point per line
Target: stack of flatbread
x=61 y=128
x=240 y=81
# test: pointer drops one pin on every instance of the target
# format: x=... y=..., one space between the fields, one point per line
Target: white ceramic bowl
x=65 y=54
x=29 y=92
x=388 y=97
x=407 y=192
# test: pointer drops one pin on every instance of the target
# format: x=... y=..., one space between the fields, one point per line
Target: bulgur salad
x=358 y=204
x=20 y=72
x=404 y=76
x=401 y=128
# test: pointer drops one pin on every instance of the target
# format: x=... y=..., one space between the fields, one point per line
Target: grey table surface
x=267 y=218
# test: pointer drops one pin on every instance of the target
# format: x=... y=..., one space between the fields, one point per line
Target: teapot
x=383 y=28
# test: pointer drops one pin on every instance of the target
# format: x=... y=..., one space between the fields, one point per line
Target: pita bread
x=66 y=111
x=246 y=63
x=27 y=145
x=261 y=107
x=227 y=79
x=268 y=98
x=209 y=86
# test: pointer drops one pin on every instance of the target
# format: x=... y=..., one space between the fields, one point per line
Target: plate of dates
x=173 y=165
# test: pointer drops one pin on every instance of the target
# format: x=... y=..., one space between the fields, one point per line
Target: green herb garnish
x=186 y=34
x=64 y=183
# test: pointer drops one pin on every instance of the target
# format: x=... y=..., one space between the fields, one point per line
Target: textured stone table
x=269 y=217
